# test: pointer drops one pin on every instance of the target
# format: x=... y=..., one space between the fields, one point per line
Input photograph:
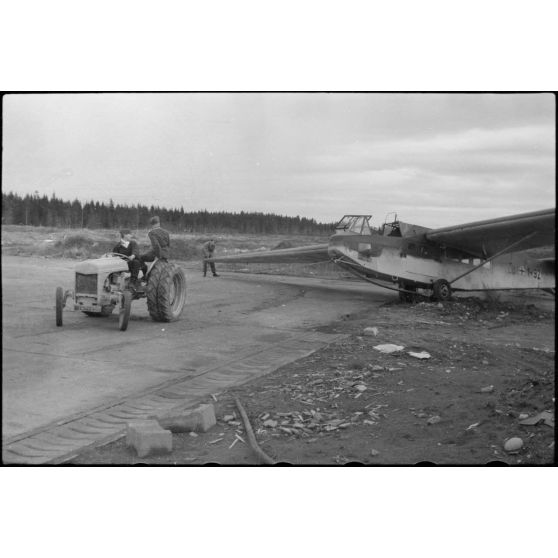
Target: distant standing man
x=208 y=249
x=129 y=248
x=160 y=243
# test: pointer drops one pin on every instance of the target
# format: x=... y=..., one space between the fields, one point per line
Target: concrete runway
x=51 y=373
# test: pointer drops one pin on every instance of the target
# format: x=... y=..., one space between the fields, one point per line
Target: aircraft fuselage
x=415 y=261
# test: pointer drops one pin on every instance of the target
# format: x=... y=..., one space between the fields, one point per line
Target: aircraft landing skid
x=349 y=266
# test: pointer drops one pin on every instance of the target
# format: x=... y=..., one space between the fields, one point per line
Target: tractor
x=103 y=284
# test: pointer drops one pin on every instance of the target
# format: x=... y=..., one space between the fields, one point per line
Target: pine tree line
x=54 y=212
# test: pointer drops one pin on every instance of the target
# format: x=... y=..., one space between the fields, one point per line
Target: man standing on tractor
x=129 y=248
x=160 y=243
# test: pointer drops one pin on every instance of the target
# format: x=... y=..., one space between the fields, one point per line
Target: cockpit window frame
x=357 y=224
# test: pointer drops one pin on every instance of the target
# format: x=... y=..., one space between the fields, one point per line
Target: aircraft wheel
x=441 y=290
x=125 y=307
x=59 y=305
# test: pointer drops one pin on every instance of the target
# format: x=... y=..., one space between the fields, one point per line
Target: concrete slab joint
x=148 y=438
x=200 y=419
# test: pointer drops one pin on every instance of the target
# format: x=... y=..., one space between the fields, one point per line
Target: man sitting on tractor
x=129 y=248
x=160 y=243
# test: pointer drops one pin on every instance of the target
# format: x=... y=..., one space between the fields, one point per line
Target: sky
x=434 y=159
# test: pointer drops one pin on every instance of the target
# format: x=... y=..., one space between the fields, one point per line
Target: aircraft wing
x=486 y=238
x=303 y=254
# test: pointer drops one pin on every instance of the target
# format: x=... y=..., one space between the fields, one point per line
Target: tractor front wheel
x=59 y=305
x=125 y=307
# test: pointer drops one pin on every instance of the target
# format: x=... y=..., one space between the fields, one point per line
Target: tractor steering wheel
x=115 y=255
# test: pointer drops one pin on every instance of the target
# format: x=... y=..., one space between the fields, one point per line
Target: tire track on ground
x=63 y=440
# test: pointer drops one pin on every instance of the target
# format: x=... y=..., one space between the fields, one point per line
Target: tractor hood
x=102 y=265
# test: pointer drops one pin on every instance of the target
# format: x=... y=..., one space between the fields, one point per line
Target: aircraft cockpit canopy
x=356 y=224
x=391 y=227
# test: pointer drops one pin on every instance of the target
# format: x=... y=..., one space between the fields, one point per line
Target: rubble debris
x=545 y=417
x=434 y=420
x=421 y=355
x=487 y=389
x=389 y=348
x=228 y=418
x=513 y=445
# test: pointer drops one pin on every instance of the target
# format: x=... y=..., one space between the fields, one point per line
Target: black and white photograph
x=278 y=278
x=258 y=278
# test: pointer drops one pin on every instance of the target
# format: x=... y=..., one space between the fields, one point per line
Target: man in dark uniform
x=128 y=247
x=208 y=249
x=160 y=243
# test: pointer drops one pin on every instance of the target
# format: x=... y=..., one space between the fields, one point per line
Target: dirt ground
x=490 y=365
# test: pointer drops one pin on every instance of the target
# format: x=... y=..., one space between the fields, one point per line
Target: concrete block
x=135 y=427
x=200 y=419
x=148 y=438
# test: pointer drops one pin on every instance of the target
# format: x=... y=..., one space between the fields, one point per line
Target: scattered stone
x=360 y=387
x=376 y=367
x=433 y=420
x=474 y=425
x=487 y=389
x=148 y=438
x=523 y=416
x=513 y=445
x=389 y=348
x=485 y=362
x=200 y=419
x=228 y=418
x=371 y=331
x=545 y=417
x=193 y=434
x=374 y=453
x=271 y=423
x=421 y=355
x=421 y=415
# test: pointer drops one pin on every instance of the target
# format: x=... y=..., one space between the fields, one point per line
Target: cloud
x=317 y=155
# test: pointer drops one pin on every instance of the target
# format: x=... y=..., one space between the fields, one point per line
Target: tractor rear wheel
x=441 y=290
x=59 y=305
x=165 y=292
x=125 y=306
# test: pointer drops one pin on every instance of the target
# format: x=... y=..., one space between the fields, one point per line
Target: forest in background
x=38 y=211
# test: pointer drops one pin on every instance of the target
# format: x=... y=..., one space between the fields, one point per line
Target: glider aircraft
x=495 y=254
